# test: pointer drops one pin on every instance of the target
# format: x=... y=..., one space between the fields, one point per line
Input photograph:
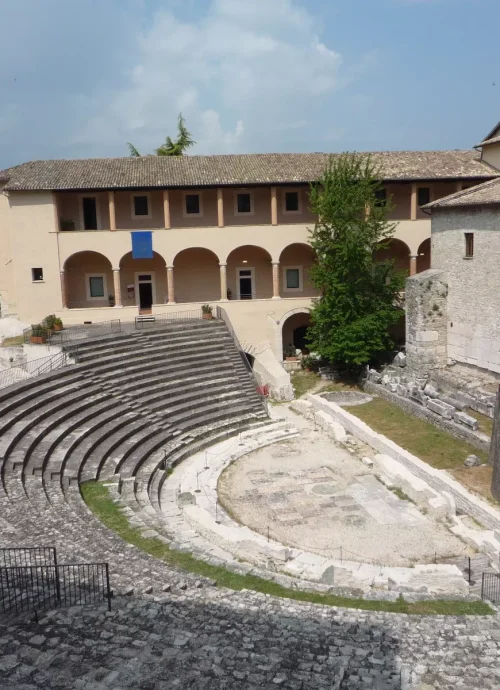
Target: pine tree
x=170 y=147
x=360 y=296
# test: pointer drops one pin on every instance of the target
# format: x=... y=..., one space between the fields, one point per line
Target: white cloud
x=239 y=73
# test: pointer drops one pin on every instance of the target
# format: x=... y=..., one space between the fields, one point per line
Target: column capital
x=222 y=263
x=61 y=270
x=170 y=268
x=115 y=269
x=275 y=263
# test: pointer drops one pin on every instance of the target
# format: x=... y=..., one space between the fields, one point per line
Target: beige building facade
x=227 y=230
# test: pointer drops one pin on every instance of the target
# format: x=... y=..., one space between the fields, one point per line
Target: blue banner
x=142 y=245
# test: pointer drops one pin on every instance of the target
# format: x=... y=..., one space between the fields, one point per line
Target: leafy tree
x=170 y=147
x=360 y=296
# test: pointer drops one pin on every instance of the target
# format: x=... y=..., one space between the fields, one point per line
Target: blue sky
x=80 y=78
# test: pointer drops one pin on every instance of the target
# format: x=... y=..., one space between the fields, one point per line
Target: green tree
x=183 y=141
x=360 y=296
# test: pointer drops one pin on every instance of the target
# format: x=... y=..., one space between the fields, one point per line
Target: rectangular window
x=36 y=274
x=89 y=204
x=469 y=245
x=192 y=205
x=381 y=197
x=292 y=278
x=96 y=287
x=244 y=202
x=292 y=202
x=141 y=206
x=424 y=195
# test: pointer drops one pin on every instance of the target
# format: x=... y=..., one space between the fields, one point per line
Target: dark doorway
x=299 y=338
x=245 y=288
x=250 y=358
x=89 y=213
x=145 y=295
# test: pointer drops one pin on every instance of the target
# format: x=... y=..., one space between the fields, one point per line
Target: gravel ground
x=10 y=327
x=315 y=495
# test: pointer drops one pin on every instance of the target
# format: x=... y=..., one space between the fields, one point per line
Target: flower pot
x=38 y=339
x=207 y=316
x=291 y=359
x=57 y=328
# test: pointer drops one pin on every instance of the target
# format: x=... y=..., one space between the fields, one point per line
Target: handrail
x=21 y=372
x=77 y=332
x=152 y=320
x=223 y=316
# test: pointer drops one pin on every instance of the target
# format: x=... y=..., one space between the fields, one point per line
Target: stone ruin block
x=441 y=408
x=466 y=420
x=399 y=360
x=401 y=390
x=449 y=400
x=431 y=392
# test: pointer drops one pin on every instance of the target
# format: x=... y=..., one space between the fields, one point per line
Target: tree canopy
x=360 y=296
x=171 y=147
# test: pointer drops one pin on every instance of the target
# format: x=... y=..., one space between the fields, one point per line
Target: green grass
x=97 y=497
x=308 y=382
x=430 y=444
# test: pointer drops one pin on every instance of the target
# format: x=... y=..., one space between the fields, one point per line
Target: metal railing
x=79 y=332
x=21 y=372
x=35 y=582
x=151 y=320
x=222 y=314
x=490 y=587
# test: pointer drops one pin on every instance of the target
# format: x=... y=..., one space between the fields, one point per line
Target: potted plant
x=290 y=355
x=206 y=312
x=52 y=323
x=111 y=299
x=39 y=334
x=58 y=324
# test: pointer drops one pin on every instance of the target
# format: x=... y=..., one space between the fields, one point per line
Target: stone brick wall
x=426 y=322
x=474 y=284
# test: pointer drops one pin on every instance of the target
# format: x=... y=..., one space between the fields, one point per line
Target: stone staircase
x=133 y=405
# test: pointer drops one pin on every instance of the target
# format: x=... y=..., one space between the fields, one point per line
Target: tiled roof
x=247 y=169
x=487 y=142
x=487 y=193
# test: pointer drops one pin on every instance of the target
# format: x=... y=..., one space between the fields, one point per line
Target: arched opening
x=397 y=251
x=89 y=280
x=424 y=256
x=294 y=332
x=196 y=275
x=249 y=273
x=295 y=264
x=143 y=281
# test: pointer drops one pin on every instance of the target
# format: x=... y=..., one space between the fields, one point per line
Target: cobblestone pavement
x=219 y=640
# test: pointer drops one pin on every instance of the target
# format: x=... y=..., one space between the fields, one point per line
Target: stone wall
x=426 y=322
x=474 y=283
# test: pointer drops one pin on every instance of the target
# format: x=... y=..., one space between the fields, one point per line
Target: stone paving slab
x=219 y=640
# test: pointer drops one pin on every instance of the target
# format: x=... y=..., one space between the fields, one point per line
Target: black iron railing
x=151 y=320
x=32 y=580
x=490 y=587
x=78 y=332
x=13 y=375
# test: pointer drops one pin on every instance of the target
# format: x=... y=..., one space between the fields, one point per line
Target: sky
x=81 y=78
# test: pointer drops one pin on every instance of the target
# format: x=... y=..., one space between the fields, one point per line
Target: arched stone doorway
x=143 y=281
x=397 y=251
x=295 y=264
x=197 y=275
x=424 y=256
x=249 y=273
x=294 y=330
x=88 y=280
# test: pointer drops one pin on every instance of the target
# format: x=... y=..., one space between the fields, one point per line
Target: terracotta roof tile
x=487 y=193
x=247 y=169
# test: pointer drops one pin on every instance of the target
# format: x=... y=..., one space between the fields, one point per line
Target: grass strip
x=435 y=447
x=99 y=501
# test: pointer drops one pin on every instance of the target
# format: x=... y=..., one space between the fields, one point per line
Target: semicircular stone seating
x=131 y=406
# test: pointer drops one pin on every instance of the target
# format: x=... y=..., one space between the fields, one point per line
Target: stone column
x=220 y=207
x=276 y=280
x=414 y=198
x=170 y=285
x=223 y=282
x=166 y=209
x=274 y=206
x=64 y=291
x=413 y=264
x=112 y=211
x=118 y=287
